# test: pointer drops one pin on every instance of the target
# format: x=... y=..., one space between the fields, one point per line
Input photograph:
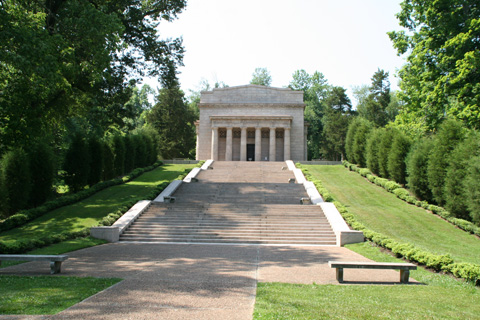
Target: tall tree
x=315 y=88
x=337 y=117
x=261 y=76
x=442 y=74
x=73 y=58
x=374 y=106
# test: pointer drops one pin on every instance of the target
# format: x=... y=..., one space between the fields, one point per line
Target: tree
x=315 y=90
x=449 y=135
x=442 y=74
x=16 y=180
x=372 y=149
x=96 y=160
x=384 y=150
x=351 y=132
x=118 y=145
x=472 y=189
x=374 y=106
x=42 y=169
x=417 y=161
x=174 y=122
x=261 y=76
x=77 y=163
x=360 y=142
x=337 y=116
x=55 y=65
x=396 y=165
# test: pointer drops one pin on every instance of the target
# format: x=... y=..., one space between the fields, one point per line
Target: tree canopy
x=61 y=59
x=261 y=76
x=442 y=75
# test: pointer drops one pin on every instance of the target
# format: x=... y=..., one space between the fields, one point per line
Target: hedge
x=405 y=195
x=25 y=216
x=468 y=271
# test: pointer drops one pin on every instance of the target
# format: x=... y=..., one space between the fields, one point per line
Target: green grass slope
x=383 y=212
x=89 y=212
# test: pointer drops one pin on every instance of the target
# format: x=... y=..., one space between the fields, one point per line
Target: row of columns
x=243 y=144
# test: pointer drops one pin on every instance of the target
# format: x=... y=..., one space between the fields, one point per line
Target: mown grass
x=383 y=212
x=89 y=212
x=439 y=297
x=47 y=294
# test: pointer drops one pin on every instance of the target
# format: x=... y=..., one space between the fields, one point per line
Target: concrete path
x=174 y=281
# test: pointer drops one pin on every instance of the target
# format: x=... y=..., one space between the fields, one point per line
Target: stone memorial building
x=251 y=123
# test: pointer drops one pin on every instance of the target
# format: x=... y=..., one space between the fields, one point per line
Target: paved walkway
x=174 y=281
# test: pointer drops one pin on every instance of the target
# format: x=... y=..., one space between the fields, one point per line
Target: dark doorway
x=250 y=152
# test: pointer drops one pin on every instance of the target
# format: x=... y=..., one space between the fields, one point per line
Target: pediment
x=251 y=94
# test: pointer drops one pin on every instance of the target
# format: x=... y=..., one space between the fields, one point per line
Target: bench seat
x=55 y=260
x=403 y=267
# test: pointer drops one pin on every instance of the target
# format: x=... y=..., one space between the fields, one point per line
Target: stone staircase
x=236 y=202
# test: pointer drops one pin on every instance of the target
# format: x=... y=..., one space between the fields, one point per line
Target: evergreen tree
x=77 y=163
x=351 y=132
x=360 y=142
x=472 y=189
x=130 y=155
x=17 y=180
x=375 y=106
x=417 y=162
x=42 y=169
x=373 y=145
x=396 y=164
x=384 y=151
x=96 y=160
x=118 y=145
x=108 y=161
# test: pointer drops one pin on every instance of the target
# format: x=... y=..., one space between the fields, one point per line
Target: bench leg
x=404 y=275
x=55 y=267
x=339 y=274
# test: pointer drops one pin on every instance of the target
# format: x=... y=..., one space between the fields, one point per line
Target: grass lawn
x=443 y=297
x=47 y=294
x=90 y=211
x=383 y=212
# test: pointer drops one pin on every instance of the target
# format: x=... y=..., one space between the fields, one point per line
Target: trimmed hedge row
x=468 y=271
x=22 y=246
x=25 y=216
x=405 y=195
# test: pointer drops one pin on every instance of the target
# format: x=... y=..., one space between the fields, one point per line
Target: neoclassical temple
x=251 y=123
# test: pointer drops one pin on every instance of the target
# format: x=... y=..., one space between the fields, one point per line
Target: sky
x=226 y=40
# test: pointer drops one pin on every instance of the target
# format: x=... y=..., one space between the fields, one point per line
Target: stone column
x=258 y=144
x=214 y=151
x=286 y=144
x=243 y=145
x=228 y=150
x=272 y=144
x=305 y=147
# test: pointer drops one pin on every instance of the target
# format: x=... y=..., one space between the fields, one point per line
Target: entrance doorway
x=250 y=152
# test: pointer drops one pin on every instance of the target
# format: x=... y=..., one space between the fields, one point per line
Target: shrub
x=372 y=148
x=119 y=150
x=130 y=153
x=417 y=161
x=3 y=195
x=108 y=161
x=42 y=168
x=17 y=180
x=455 y=193
x=396 y=159
x=96 y=160
x=351 y=132
x=472 y=189
x=360 y=142
x=384 y=150
x=449 y=135
x=140 y=150
x=77 y=163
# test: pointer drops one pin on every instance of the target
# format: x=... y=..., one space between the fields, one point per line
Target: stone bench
x=55 y=260
x=403 y=267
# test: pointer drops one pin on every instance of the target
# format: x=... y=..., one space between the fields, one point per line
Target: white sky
x=226 y=40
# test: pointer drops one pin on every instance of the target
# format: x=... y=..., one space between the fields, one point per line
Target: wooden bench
x=403 y=267
x=55 y=260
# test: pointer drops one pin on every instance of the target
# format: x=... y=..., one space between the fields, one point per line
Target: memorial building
x=251 y=123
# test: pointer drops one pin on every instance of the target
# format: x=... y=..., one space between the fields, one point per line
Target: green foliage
x=108 y=161
x=118 y=145
x=130 y=156
x=56 y=66
x=351 y=132
x=338 y=112
x=261 y=76
x=174 y=122
x=374 y=107
x=77 y=163
x=384 y=150
x=96 y=160
x=441 y=74
x=449 y=135
x=42 y=168
x=360 y=141
x=396 y=164
x=372 y=149
x=459 y=164
x=417 y=161
x=140 y=150
x=472 y=188
x=16 y=180
x=315 y=90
